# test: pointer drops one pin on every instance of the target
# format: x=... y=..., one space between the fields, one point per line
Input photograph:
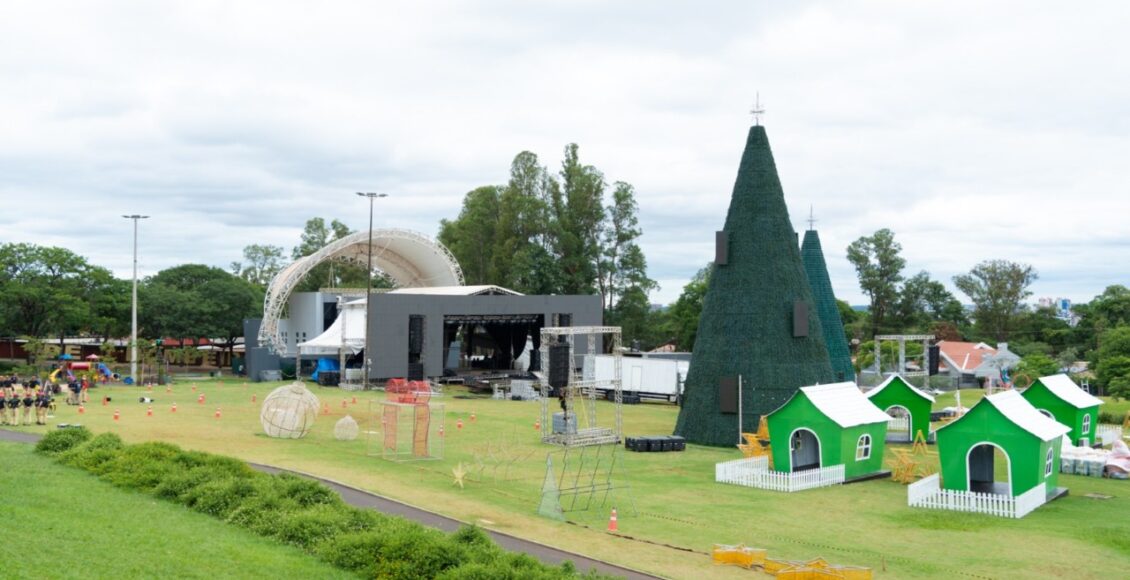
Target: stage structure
x=576 y=425
x=412 y=425
x=409 y=259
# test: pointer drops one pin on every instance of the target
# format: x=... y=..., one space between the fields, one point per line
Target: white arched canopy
x=409 y=259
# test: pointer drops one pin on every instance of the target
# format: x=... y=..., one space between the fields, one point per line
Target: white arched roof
x=409 y=259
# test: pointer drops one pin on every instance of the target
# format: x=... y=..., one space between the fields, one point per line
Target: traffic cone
x=105 y=402
x=174 y=409
x=354 y=401
x=194 y=387
x=116 y=414
x=612 y=521
x=81 y=409
x=441 y=430
x=149 y=411
x=217 y=412
x=472 y=417
x=149 y=388
x=200 y=399
x=168 y=389
x=344 y=403
x=537 y=425
x=459 y=423
x=326 y=409
x=252 y=397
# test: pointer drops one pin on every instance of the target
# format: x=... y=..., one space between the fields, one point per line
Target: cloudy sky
x=974 y=130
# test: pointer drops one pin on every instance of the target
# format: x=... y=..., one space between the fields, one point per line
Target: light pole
x=133 y=333
x=369 y=283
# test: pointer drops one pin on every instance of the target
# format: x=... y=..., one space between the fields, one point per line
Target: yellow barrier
x=738 y=555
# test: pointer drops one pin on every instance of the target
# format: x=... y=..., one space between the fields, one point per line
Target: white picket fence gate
x=898 y=424
x=754 y=472
x=927 y=493
x=1107 y=434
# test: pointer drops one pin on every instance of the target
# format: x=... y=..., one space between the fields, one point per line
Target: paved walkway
x=364 y=499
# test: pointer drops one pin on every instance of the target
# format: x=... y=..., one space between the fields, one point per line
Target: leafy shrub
x=418 y=552
x=357 y=552
x=1110 y=418
x=143 y=466
x=62 y=440
x=93 y=455
x=306 y=492
x=312 y=525
x=477 y=544
x=220 y=497
x=177 y=485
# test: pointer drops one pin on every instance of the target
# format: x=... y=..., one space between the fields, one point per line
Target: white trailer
x=650 y=378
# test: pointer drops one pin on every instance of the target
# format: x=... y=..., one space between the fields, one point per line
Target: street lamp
x=133 y=334
x=369 y=282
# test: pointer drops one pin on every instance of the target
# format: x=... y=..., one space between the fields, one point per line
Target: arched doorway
x=804 y=450
x=985 y=470
x=900 y=426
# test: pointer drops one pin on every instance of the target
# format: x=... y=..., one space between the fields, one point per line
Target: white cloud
x=972 y=130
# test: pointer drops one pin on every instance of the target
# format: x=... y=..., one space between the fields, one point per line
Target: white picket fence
x=927 y=493
x=754 y=472
x=898 y=424
x=1107 y=434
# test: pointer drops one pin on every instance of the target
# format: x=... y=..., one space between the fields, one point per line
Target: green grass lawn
x=673 y=512
x=59 y=522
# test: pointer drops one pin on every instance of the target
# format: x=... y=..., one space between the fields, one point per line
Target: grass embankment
x=58 y=522
x=675 y=498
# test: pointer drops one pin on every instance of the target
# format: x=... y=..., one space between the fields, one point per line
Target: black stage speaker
x=558 y=365
x=728 y=395
x=415 y=371
x=934 y=353
x=800 y=319
x=415 y=334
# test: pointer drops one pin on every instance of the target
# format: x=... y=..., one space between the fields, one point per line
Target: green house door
x=805 y=450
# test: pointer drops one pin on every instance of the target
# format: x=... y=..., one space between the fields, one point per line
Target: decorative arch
x=409 y=259
x=969 y=465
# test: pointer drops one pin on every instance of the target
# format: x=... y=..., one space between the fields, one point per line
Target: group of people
x=18 y=396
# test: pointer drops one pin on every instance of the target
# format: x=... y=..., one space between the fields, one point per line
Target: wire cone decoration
x=289 y=411
x=346 y=429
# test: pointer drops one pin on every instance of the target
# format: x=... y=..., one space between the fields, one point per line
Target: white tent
x=347 y=332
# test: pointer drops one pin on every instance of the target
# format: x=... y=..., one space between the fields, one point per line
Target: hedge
x=295 y=511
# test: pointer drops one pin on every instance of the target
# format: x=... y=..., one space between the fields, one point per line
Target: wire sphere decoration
x=346 y=429
x=289 y=411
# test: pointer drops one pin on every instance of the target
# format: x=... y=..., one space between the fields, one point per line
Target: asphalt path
x=363 y=499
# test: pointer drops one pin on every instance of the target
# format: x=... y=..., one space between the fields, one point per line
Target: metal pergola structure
x=409 y=259
x=578 y=398
x=902 y=339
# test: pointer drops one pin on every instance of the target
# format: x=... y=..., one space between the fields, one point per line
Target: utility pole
x=133 y=332
x=369 y=284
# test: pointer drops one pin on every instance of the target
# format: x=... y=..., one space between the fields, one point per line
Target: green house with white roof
x=1061 y=399
x=1007 y=424
x=826 y=425
x=897 y=393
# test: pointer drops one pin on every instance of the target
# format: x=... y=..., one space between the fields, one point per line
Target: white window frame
x=863 y=448
x=1087 y=424
x=1048 y=465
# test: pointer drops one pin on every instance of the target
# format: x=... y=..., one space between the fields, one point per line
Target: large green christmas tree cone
x=748 y=314
x=826 y=309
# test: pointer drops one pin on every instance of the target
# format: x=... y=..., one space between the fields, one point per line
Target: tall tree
x=922 y=301
x=317 y=234
x=579 y=220
x=522 y=260
x=471 y=237
x=997 y=289
x=879 y=266
x=260 y=263
x=622 y=264
x=53 y=291
x=197 y=301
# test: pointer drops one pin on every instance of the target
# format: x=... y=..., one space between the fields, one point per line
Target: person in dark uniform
x=14 y=409
x=42 y=401
x=29 y=402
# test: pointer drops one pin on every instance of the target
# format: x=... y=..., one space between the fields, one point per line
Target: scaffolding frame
x=578 y=398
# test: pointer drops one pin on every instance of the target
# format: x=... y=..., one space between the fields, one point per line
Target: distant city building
x=1062 y=307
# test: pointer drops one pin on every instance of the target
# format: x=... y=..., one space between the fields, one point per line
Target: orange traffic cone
x=81 y=409
x=326 y=409
x=149 y=411
x=168 y=389
x=344 y=403
x=441 y=430
x=472 y=417
x=194 y=387
x=612 y=521
x=105 y=401
x=252 y=397
x=116 y=414
x=174 y=409
x=354 y=401
x=217 y=412
x=200 y=399
x=459 y=423
x=537 y=425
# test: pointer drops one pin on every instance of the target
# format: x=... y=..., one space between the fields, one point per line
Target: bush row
x=293 y=510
